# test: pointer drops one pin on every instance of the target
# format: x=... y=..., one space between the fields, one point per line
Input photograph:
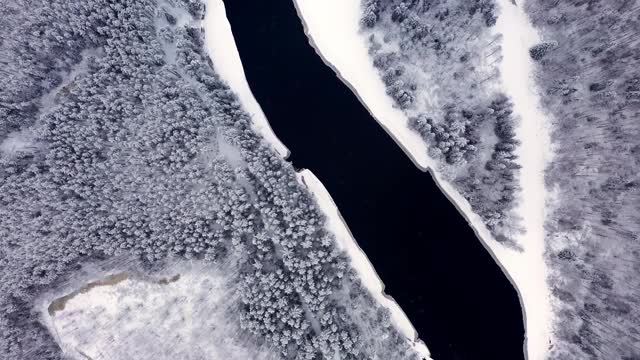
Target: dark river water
x=458 y=299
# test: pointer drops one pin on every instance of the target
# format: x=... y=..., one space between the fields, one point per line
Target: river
x=429 y=258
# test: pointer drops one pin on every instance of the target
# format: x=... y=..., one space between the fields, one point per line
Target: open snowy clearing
x=333 y=29
x=188 y=315
x=221 y=46
x=360 y=262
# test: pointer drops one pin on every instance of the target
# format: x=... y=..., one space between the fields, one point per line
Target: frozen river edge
x=525 y=270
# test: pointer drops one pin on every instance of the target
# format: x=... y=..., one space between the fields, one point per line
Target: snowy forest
x=144 y=215
x=118 y=140
x=588 y=71
x=439 y=62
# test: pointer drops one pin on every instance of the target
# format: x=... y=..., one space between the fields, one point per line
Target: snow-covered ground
x=188 y=315
x=18 y=141
x=360 y=262
x=221 y=46
x=333 y=29
x=529 y=269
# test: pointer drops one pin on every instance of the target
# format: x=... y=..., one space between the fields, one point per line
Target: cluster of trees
x=455 y=138
x=370 y=13
x=131 y=161
x=588 y=70
x=492 y=188
x=538 y=51
x=403 y=92
x=444 y=78
x=404 y=9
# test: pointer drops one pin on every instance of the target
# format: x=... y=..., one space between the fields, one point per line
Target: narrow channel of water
x=458 y=299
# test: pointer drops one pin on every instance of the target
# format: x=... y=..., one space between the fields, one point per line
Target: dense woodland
x=118 y=138
x=588 y=71
x=439 y=62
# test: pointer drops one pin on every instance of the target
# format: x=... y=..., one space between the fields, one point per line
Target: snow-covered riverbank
x=333 y=29
x=221 y=46
x=360 y=262
x=227 y=62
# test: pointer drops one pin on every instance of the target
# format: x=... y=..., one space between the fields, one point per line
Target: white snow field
x=16 y=142
x=223 y=52
x=186 y=315
x=360 y=262
x=334 y=31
